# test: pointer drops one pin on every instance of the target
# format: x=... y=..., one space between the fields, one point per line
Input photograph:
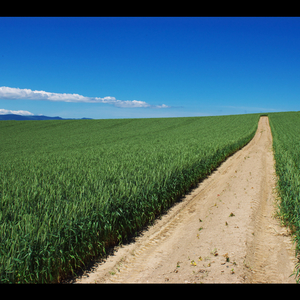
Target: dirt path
x=224 y=231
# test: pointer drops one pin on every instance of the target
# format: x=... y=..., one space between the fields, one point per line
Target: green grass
x=71 y=188
x=286 y=144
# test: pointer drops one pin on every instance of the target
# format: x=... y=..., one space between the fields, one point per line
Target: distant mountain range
x=31 y=118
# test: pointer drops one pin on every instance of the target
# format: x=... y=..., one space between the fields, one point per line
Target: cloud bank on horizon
x=15 y=112
x=16 y=93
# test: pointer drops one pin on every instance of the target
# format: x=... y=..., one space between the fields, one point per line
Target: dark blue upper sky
x=195 y=66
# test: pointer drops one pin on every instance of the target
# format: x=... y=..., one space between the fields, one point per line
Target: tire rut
x=272 y=253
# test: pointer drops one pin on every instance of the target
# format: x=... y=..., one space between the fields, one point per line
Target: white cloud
x=15 y=112
x=162 y=106
x=16 y=93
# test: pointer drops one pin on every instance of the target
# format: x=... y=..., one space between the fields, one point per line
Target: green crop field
x=286 y=144
x=71 y=188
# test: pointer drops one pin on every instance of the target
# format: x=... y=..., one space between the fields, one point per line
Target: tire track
x=271 y=254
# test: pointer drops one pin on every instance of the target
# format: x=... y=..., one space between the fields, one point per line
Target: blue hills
x=9 y=117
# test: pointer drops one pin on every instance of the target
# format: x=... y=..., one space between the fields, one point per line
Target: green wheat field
x=69 y=189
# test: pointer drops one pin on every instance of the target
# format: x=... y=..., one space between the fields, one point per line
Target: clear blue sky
x=171 y=66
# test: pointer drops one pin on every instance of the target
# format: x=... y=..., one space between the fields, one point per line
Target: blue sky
x=141 y=67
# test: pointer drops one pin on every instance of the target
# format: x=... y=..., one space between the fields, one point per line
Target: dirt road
x=224 y=231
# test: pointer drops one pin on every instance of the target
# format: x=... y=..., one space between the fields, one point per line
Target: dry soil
x=224 y=231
